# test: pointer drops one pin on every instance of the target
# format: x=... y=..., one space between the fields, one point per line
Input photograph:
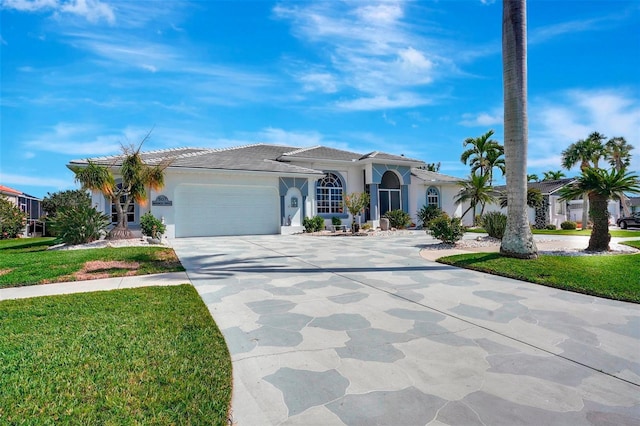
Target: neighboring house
x=256 y=189
x=634 y=204
x=27 y=203
x=553 y=211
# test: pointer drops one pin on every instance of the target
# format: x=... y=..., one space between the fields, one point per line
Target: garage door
x=210 y=210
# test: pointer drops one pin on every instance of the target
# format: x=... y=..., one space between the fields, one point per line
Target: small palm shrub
x=446 y=229
x=12 y=219
x=336 y=221
x=313 y=224
x=550 y=227
x=427 y=214
x=152 y=226
x=495 y=224
x=398 y=219
x=568 y=225
x=80 y=224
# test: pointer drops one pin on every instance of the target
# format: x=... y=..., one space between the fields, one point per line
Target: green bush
x=550 y=227
x=495 y=224
x=398 y=219
x=336 y=221
x=446 y=229
x=152 y=226
x=313 y=224
x=80 y=224
x=51 y=203
x=568 y=225
x=427 y=213
x=12 y=219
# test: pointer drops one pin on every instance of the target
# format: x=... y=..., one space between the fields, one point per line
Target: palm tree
x=475 y=190
x=482 y=148
x=495 y=158
x=601 y=186
x=433 y=167
x=553 y=175
x=618 y=152
x=587 y=152
x=518 y=239
x=135 y=177
x=533 y=178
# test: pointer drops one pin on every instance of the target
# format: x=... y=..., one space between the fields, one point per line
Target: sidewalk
x=168 y=279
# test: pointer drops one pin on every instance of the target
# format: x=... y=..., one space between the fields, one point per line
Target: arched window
x=433 y=197
x=389 y=192
x=329 y=194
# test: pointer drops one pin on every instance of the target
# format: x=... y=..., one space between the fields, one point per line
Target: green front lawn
x=620 y=233
x=612 y=276
x=27 y=261
x=138 y=356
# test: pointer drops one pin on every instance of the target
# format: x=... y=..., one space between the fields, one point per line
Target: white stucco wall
x=448 y=192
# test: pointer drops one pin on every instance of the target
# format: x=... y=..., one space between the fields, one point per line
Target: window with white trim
x=329 y=193
x=433 y=197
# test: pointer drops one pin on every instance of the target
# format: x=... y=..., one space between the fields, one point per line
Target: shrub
x=152 y=226
x=550 y=227
x=427 y=213
x=495 y=224
x=313 y=224
x=51 y=203
x=398 y=219
x=12 y=219
x=446 y=229
x=366 y=226
x=568 y=225
x=335 y=221
x=80 y=224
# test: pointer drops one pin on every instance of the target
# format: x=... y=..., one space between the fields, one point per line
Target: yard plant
x=12 y=219
x=446 y=229
x=137 y=356
x=152 y=226
x=398 y=219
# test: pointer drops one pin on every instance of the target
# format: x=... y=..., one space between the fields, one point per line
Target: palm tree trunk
x=121 y=231
x=600 y=237
x=518 y=239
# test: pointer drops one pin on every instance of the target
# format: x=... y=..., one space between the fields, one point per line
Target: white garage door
x=209 y=210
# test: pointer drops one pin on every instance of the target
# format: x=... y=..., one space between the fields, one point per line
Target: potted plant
x=152 y=227
x=355 y=204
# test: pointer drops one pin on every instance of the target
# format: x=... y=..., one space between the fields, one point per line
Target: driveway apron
x=363 y=331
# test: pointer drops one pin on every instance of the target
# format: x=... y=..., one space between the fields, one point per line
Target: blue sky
x=82 y=77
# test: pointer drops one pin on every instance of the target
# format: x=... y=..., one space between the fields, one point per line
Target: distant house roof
x=9 y=191
x=546 y=187
x=256 y=157
x=434 y=177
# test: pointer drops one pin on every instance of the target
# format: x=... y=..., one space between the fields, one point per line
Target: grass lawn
x=620 y=233
x=634 y=243
x=27 y=261
x=138 y=356
x=615 y=276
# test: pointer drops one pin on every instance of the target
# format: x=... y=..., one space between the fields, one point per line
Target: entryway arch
x=389 y=193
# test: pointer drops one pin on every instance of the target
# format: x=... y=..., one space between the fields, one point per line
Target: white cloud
x=401 y=100
x=322 y=82
x=563 y=118
x=92 y=10
x=482 y=119
x=31 y=180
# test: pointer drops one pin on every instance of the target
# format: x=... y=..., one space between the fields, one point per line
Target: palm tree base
x=120 y=233
x=519 y=248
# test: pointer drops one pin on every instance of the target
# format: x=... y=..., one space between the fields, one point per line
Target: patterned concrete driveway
x=363 y=331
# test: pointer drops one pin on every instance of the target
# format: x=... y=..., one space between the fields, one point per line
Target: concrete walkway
x=173 y=278
x=363 y=331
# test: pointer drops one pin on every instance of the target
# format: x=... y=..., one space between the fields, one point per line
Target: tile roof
x=429 y=176
x=546 y=187
x=7 y=190
x=256 y=157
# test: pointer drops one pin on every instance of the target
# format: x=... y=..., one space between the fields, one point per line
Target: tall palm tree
x=495 y=159
x=533 y=178
x=618 y=152
x=601 y=186
x=587 y=152
x=518 y=239
x=135 y=176
x=535 y=199
x=475 y=190
x=482 y=148
x=553 y=175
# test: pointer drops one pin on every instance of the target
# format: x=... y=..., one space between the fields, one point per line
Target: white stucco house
x=261 y=188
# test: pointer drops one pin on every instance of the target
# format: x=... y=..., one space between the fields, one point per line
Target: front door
x=389 y=193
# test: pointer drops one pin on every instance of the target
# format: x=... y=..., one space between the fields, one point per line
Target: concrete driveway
x=363 y=331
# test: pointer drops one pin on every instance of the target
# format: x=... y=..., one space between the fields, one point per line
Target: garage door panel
x=215 y=210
